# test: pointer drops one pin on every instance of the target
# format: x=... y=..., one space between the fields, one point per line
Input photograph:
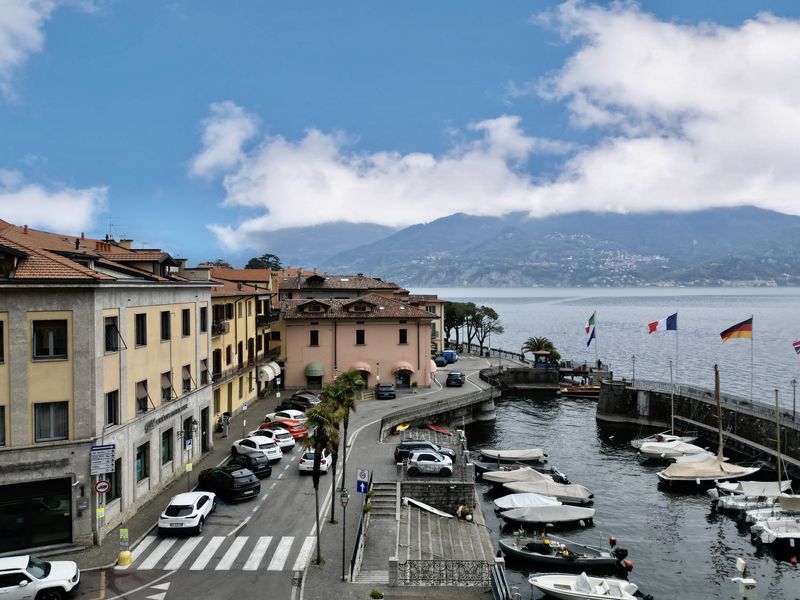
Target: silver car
x=428 y=462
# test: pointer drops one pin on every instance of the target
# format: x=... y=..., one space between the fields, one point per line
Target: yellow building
x=104 y=376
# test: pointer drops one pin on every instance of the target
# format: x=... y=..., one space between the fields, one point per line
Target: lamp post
x=344 y=497
x=794 y=398
x=633 y=375
x=378 y=371
x=187 y=435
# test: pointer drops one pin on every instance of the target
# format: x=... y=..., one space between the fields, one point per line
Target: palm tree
x=325 y=435
x=536 y=344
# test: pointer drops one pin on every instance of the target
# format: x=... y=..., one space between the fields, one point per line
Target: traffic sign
x=188 y=443
x=102 y=459
x=102 y=486
x=362 y=480
x=188 y=467
x=244 y=406
x=124 y=539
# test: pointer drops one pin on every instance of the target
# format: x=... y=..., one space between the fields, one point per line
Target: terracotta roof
x=251 y=275
x=425 y=299
x=338 y=282
x=224 y=289
x=137 y=256
x=382 y=308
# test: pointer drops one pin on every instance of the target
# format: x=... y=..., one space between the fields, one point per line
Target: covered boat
x=786 y=505
x=664 y=436
x=703 y=474
x=524 y=499
x=669 y=450
x=753 y=489
x=568 y=494
x=555 y=474
x=521 y=455
x=570 y=587
x=551 y=552
x=521 y=474
x=549 y=515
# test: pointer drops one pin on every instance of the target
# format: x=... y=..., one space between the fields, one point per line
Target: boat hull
x=577 y=561
x=700 y=483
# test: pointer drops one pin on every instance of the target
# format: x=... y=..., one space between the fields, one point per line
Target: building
x=100 y=345
x=435 y=306
x=296 y=284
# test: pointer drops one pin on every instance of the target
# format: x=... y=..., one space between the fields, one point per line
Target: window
x=51 y=421
x=249 y=308
x=187 y=378
x=115 y=479
x=165 y=326
x=229 y=310
x=359 y=337
x=141 y=397
x=141 y=329
x=431 y=309
x=275 y=335
x=2 y=425
x=203 y=319
x=314 y=338
x=166 y=445
x=112 y=334
x=228 y=354
x=241 y=388
x=2 y=343
x=259 y=343
x=239 y=310
x=143 y=461
x=186 y=322
x=204 y=371
x=404 y=336
x=112 y=408
x=216 y=401
x=240 y=353
x=166 y=386
x=50 y=339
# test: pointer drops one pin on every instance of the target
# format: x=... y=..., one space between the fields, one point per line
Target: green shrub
x=376 y=594
x=368 y=508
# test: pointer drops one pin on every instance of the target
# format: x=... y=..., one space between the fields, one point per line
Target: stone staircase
x=384 y=500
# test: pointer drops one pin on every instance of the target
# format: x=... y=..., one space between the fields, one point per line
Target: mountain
x=726 y=246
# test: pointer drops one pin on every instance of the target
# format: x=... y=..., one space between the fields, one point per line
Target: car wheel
x=413 y=471
x=199 y=528
x=51 y=594
x=234 y=451
x=444 y=471
x=214 y=505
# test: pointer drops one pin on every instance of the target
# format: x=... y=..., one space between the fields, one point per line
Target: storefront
x=37 y=513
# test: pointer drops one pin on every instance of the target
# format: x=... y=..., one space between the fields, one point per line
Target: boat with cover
x=551 y=552
x=583 y=587
x=785 y=506
x=508 y=475
x=568 y=494
x=549 y=515
x=522 y=500
x=661 y=438
x=668 y=450
x=747 y=495
x=521 y=455
x=482 y=467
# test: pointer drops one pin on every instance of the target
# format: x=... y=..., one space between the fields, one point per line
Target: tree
x=219 y=262
x=265 y=261
x=536 y=344
x=470 y=319
x=486 y=321
x=322 y=421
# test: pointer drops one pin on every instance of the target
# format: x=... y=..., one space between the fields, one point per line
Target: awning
x=265 y=374
x=433 y=366
x=187 y=372
x=403 y=366
x=274 y=367
x=141 y=390
x=362 y=366
x=166 y=380
x=314 y=369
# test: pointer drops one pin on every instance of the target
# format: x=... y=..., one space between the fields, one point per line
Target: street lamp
x=187 y=435
x=794 y=398
x=633 y=375
x=344 y=497
x=377 y=371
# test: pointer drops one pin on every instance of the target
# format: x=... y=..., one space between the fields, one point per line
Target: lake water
x=680 y=547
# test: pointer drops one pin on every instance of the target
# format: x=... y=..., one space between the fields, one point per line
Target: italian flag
x=589 y=323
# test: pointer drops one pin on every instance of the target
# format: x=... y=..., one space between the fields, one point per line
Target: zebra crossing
x=223 y=553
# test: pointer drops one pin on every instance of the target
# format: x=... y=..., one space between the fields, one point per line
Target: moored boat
x=549 y=515
x=551 y=552
x=580 y=391
x=521 y=474
x=583 y=587
x=669 y=450
x=555 y=474
x=568 y=494
x=524 y=499
x=520 y=455
x=780 y=532
x=664 y=436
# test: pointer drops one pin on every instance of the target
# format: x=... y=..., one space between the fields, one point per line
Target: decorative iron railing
x=443 y=572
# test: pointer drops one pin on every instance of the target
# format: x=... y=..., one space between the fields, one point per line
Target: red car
x=296 y=428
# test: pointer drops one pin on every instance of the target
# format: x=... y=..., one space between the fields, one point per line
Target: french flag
x=668 y=324
x=796 y=346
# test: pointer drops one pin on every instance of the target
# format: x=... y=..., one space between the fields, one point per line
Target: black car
x=385 y=390
x=406 y=447
x=455 y=379
x=231 y=482
x=255 y=461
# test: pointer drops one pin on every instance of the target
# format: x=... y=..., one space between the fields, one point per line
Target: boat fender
x=628 y=564
x=612 y=540
x=793 y=560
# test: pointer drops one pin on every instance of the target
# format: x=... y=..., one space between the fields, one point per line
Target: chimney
x=315 y=270
x=25 y=229
x=77 y=243
x=127 y=244
x=238 y=286
x=83 y=237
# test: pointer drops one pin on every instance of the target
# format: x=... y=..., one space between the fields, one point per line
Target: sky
x=200 y=126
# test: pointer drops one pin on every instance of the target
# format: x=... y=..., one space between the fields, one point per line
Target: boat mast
x=778 y=437
x=719 y=410
x=671 y=401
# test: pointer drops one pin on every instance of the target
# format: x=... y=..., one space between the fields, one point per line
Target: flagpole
x=595 y=337
x=751 y=359
x=676 y=346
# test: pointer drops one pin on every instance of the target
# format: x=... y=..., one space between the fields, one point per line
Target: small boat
x=551 y=552
x=740 y=502
x=766 y=489
x=524 y=499
x=580 y=391
x=549 y=515
x=583 y=587
x=521 y=455
x=695 y=458
x=669 y=450
x=520 y=474
x=781 y=532
x=557 y=476
x=567 y=494
x=784 y=506
x=664 y=436
x=439 y=429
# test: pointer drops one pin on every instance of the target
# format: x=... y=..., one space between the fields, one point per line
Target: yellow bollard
x=124 y=558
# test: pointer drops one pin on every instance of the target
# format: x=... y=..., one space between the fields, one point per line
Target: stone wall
x=444 y=495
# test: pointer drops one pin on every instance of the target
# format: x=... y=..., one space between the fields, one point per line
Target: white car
x=279 y=435
x=28 y=577
x=289 y=413
x=306 y=464
x=429 y=462
x=187 y=511
x=261 y=444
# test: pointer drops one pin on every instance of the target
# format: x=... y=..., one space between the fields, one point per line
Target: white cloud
x=225 y=133
x=65 y=210
x=21 y=34
x=683 y=117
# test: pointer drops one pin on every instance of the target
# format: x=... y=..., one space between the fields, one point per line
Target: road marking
x=127 y=594
x=280 y=476
x=287 y=466
x=142 y=546
x=258 y=553
x=281 y=553
x=227 y=561
x=207 y=554
x=156 y=555
x=273 y=484
x=181 y=555
x=305 y=553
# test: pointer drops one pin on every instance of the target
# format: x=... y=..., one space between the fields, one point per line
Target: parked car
x=384 y=391
x=307 y=396
x=296 y=428
x=427 y=462
x=187 y=512
x=285 y=414
x=279 y=435
x=294 y=404
x=440 y=360
x=254 y=460
x=306 y=464
x=455 y=379
x=450 y=356
x=261 y=444
x=230 y=482
x=404 y=449
x=29 y=577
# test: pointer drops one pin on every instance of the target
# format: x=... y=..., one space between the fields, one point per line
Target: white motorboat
x=583 y=587
x=522 y=455
x=777 y=531
x=669 y=450
x=740 y=502
x=785 y=505
x=695 y=458
x=507 y=476
x=524 y=500
x=567 y=494
x=549 y=515
x=664 y=436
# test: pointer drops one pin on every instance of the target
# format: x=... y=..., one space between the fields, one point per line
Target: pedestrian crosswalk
x=223 y=553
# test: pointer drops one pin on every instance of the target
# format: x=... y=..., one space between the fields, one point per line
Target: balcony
x=219 y=328
x=262 y=320
x=274 y=315
x=274 y=352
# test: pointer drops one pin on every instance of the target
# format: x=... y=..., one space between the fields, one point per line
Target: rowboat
x=549 y=515
x=520 y=455
x=555 y=553
x=583 y=587
x=568 y=494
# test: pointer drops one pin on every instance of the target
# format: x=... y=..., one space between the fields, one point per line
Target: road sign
x=188 y=443
x=244 y=406
x=362 y=480
x=124 y=540
x=188 y=467
x=102 y=459
x=102 y=486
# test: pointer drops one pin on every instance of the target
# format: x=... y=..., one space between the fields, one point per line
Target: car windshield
x=308 y=456
x=178 y=510
x=260 y=460
x=284 y=435
x=267 y=445
x=385 y=386
x=38 y=568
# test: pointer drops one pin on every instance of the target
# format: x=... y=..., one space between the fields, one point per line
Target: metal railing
x=443 y=572
x=433 y=407
x=358 y=546
x=219 y=328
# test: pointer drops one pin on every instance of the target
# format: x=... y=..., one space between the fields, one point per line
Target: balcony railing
x=262 y=320
x=219 y=328
x=274 y=315
x=274 y=352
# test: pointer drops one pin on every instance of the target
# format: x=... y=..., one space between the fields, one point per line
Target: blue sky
x=200 y=126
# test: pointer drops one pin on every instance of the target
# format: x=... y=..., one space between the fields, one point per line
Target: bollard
x=124 y=558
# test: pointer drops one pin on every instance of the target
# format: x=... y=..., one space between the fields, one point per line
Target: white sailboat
x=669 y=450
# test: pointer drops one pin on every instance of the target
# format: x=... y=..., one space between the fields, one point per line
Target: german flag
x=740 y=330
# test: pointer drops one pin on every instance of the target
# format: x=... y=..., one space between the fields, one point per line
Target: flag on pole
x=591 y=337
x=740 y=330
x=668 y=324
x=796 y=346
x=589 y=323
